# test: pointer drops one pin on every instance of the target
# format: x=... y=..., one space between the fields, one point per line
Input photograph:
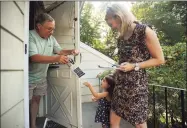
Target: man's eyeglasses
x=49 y=29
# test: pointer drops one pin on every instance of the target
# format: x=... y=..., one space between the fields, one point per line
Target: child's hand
x=98 y=75
x=94 y=99
x=86 y=84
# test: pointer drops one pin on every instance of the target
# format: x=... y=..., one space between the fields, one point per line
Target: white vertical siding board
x=11 y=89
x=12 y=51
x=14 y=118
x=12 y=19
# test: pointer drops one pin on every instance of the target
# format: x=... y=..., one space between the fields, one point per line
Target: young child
x=104 y=98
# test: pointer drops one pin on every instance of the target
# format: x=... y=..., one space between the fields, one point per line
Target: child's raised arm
x=94 y=99
x=94 y=93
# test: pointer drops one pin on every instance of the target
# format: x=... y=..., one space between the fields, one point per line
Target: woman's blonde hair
x=126 y=17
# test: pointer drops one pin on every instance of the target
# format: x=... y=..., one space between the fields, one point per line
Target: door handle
x=80 y=57
x=54 y=66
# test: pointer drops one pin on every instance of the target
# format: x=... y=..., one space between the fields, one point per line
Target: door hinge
x=25 y=48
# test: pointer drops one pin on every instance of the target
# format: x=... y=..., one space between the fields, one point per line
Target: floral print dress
x=130 y=96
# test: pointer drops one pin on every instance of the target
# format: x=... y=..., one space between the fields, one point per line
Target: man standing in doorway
x=42 y=46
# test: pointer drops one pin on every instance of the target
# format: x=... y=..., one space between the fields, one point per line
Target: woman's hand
x=126 y=67
x=87 y=84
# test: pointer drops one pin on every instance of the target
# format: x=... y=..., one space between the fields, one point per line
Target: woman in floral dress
x=138 y=48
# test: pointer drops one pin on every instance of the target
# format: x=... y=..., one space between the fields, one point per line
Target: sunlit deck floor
x=88 y=115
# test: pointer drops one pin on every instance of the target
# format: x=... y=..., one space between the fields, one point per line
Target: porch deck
x=177 y=95
x=88 y=115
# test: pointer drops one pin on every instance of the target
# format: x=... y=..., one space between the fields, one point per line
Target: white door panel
x=63 y=99
x=62 y=105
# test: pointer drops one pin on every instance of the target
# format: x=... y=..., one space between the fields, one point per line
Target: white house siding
x=91 y=58
x=12 y=64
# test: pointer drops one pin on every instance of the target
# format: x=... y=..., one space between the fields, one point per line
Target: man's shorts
x=39 y=89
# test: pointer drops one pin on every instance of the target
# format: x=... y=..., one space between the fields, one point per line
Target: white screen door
x=63 y=99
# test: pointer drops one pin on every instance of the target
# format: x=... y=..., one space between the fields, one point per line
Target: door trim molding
x=11 y=70
x=26 y=68
x=77 y=46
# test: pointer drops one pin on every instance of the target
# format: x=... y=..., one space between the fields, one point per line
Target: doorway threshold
x=50 y=124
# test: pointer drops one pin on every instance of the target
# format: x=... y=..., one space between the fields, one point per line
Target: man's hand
x=62 y=59
x=75 y=52
x=69 y=52
x=86 y=84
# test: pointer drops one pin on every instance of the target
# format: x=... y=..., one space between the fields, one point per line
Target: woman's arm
x=94 y=99
x=94 y=93
x=154 y=48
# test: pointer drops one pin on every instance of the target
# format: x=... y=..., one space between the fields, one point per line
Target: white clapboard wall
x=91 y=58
x=12 y=64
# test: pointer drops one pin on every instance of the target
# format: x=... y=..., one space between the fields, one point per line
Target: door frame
x=78 y=61
x=26 y=64
x=26 y=68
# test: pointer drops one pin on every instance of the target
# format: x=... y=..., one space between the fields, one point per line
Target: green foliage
x=105 y=73
x=95 y=32
x=89 y=26
x=173 y=72
x=111 y=43
x=167 y=17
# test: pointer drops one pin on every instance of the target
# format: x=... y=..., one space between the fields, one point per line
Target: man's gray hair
x=43 y=17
